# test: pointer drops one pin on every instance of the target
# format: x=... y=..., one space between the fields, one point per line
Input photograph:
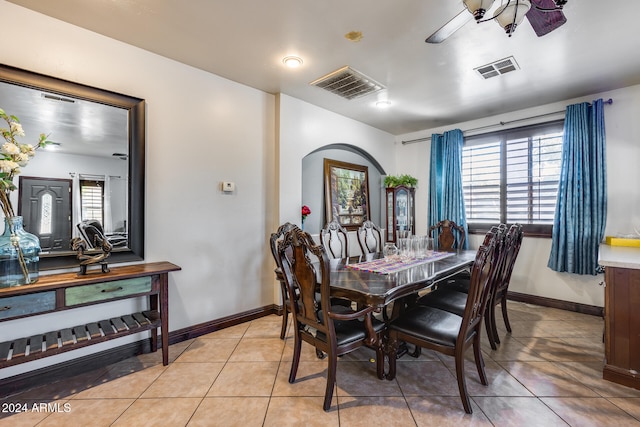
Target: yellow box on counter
x=622 y=241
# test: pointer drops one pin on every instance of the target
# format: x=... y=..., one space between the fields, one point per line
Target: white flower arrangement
x=13 y=156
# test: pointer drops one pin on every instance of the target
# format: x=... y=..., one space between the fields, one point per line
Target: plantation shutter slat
x=91 y=200
x=513 y=176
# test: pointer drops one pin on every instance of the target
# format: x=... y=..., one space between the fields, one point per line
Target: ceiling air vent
x=348 y=83
x=498 y=68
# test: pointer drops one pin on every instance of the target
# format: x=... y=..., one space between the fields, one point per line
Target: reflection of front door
x=45 y=205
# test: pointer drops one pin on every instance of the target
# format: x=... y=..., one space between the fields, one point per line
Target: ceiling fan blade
x=545 y=22
x=450 y=27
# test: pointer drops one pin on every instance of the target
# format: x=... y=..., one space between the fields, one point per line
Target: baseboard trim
x=629 y=378
x=556 y=303
x=80 y=365
x=222 y=323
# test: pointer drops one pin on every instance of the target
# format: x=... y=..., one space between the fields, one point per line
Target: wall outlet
x=228 y=187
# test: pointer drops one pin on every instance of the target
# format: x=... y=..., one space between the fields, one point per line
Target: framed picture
x=346 y=193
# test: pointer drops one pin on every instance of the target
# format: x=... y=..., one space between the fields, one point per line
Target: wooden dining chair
x=335 y=240
x=450 y=236
x=286 y=301
x=453 y=297
x=447 y=295
x=445 y=332
x=335 y=330
x=369 y=237
x=514 y=241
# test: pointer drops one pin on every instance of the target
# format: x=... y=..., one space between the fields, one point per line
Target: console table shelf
x=68 y=291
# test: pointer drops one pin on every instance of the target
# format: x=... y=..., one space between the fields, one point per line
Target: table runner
x=395 y=264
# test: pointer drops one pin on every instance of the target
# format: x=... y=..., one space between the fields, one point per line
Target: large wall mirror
x=95 y=164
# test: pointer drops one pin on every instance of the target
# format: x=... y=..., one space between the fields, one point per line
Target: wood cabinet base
x=622 y=326
x=621 y=376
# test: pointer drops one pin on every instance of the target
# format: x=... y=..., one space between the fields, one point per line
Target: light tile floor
x=548 y=372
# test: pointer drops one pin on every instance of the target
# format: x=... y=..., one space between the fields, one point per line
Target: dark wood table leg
x=153 y=306
x=164 y=316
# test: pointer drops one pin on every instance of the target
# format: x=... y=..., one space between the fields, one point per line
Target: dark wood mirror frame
x=137 y=136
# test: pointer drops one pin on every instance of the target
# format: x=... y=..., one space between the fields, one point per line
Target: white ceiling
x=428 y=85
x=74 y=126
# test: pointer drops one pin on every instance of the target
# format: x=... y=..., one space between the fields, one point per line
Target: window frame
x=503 y=136
x=90 y=183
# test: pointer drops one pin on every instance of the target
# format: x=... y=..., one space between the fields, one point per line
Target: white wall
x=531 y=275
x=201 y=129
x=302 y=128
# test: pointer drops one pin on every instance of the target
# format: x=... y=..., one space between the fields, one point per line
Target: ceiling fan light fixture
x=511 y=14
x=478 y=7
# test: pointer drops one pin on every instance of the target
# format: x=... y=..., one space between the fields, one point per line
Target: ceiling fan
x=543 y=15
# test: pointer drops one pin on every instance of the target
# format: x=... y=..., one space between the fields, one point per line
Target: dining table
x=372 y=280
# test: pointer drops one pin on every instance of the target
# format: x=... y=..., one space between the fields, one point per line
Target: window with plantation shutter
x=512 y=176
x=91 y=195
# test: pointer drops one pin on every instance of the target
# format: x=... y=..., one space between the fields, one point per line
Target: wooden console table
x=68 y=291
x=622 y=317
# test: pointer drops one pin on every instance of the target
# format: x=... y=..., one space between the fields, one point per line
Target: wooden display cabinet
x=400 y=211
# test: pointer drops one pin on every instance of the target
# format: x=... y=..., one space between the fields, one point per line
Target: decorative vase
x=19 y=255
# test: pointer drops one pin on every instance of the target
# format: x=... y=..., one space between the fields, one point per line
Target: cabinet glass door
x=390 y=225
x=402 y=209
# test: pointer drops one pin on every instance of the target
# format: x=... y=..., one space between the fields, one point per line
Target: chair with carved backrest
x=452 y=297
x=449 y=333
x=450 y=236
x=335 y=330
x=93 y=233
x=286 y=301
x=284 y=292
x=334 y=239
x=514 y=241
x=369 y=237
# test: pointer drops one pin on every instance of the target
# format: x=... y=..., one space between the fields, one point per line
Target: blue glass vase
x=19 y=254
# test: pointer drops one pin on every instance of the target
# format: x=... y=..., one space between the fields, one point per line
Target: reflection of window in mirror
x=97 y=133
x=91 y=198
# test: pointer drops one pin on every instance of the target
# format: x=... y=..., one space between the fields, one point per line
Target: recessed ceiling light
x=292 y=61
x=383 y=104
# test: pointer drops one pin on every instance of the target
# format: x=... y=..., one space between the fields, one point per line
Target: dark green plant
x=394 y=181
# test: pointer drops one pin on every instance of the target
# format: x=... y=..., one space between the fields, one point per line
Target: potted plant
x=391 y=181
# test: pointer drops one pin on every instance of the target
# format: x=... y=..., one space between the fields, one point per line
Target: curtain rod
x=428 y=138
